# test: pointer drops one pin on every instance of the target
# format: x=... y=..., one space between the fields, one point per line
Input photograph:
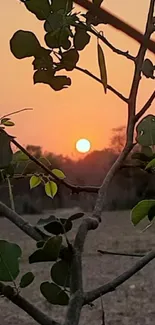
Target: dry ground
x=133 y=303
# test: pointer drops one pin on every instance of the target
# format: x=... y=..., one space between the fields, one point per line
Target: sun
x=83 y=145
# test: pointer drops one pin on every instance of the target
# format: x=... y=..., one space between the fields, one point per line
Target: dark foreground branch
x=76 y=285
x=31 y=310
x=112 y=285
x=117 y=23
x=20 y=222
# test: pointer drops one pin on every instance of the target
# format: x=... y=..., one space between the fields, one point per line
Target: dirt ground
x=133 y=303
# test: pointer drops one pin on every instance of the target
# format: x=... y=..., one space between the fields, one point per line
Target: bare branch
x=20 y=222
x=112 y=47
x=16 y=112
x=117 y=23
x=145 y=107
x=116 y=92
x=112 y=285
x=76 y=286
x=30 y=309
x=120 y=253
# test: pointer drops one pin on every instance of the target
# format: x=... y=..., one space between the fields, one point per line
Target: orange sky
x=83 y=110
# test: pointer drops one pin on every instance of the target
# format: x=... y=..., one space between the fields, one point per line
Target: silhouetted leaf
x=66 y=253
x=58 y=227
x=57 y=83
x=49 y=252
x=70 y=59
x=81 y=39
x=40 y=243
x=6 y=153
x=146 y=131
x=141 y=210
x=102 y=66
x=54 y=294
x=24 y=44
x=58 y=173
x=58 y=38
x=9 y=260
x=34 y=181
x=76 y=216
x=140 y=156
x=43 y=63
x=60 y=273
x=55 y=21
x=26 y=279
x=51 y=189
x=41 y=8
x=148 y=69
x=66 y=5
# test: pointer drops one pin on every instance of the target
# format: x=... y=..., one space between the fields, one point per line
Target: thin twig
x=117 y=23
x=30 y=309
x=120 y=253
x=116 y=92
x=112 y=285
x=16 y=112
x=112 y=47
x=145 y=107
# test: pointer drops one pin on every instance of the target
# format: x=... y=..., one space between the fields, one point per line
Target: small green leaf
x=102 y=66
x=141 y=210
x=54 y=294
x=151 y=213
x=51 y=189
x=147 y=151
x=60 y=273
x=19 y=156
x=34 y=181
x=58 y=173
x=49 y=252
x=9 y=261
x=66 y=5
x=6 y=153
x=24 y=44
x=8 y=123
x=26 y=279
x=151 y=164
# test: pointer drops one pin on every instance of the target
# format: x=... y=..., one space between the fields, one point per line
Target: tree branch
x=17 y=299
x=131 y=118
x=117 y=93
x=112 y=285
x=113 y=48
x=145 y=107
x=74 y=188
x=20 y=222
x=117 y=23
x=76 y=286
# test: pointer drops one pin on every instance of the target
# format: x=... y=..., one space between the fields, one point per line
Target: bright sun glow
x=83 y=145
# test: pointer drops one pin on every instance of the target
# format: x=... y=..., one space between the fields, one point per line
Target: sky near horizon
x=83 y=110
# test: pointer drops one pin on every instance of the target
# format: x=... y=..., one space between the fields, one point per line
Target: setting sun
x=83 y=145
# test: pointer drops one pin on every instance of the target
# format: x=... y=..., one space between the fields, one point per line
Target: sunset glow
x=83 y=145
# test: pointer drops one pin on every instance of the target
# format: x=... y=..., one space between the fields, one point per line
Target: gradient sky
x=60 y=118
